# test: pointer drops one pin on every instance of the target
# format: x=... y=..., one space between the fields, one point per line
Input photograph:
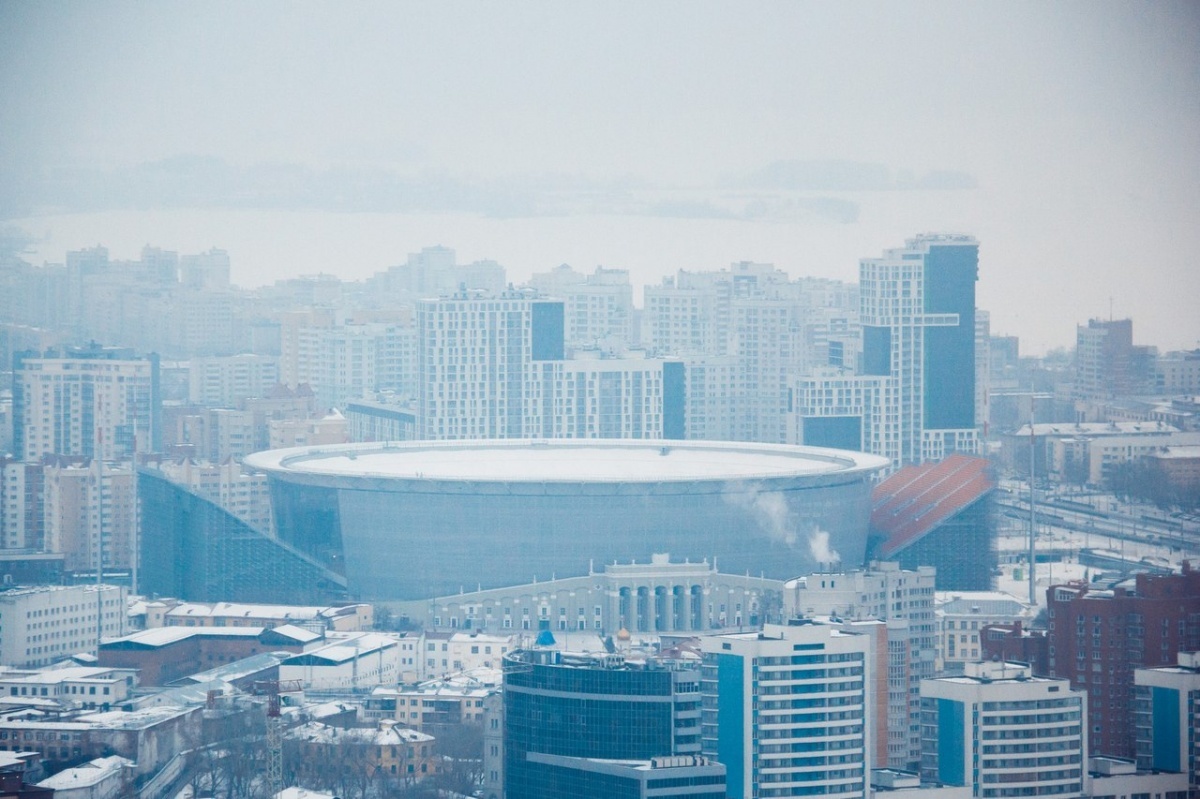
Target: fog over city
x=312 y=137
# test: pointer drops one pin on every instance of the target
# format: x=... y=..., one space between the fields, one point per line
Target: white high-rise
x=905 y=601
x=786 y=710
x=1003 y=732
x=496 y=367
x=96 y=402
x=917 y=313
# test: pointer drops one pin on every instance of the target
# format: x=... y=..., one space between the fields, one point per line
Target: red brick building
x=165 y=654
x=1099 y=635
x=1007 y=643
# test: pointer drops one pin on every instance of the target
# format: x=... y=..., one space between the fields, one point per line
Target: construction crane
x=272 y=689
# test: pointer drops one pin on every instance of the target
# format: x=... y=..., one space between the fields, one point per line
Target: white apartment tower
x=224 y=381
x=786 y=710
x=768 y=327
x=91 y=514
x=598 y=307
x=1003 y=732
x=92 y=401
x=918 y=361
x=496 y=367
x=904 y=600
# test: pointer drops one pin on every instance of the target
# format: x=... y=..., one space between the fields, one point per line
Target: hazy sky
x=1079 y=121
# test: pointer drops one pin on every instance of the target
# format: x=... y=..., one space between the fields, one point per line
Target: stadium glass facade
x=401 y=535
x=194 y=550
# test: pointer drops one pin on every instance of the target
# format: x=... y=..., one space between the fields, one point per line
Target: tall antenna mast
x=1032 y=505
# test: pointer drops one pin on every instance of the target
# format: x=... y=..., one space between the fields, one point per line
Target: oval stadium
x=411 y=520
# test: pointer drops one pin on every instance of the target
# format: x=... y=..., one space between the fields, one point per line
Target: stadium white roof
x=565 y=460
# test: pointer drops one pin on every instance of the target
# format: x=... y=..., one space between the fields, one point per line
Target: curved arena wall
x=397 y=537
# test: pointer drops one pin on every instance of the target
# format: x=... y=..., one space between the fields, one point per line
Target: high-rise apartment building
x=1167 y=718
x=21 y=518
x=904 y=600
x=1099 y=635
x=598 y=307
x=914 y=397
x=1107 y=364
x=97 y=402
x=496 y=367
x=764 y=327
x=91 y=514
x=223 y=382
x=1003 y=732
x=344 y=361
x=918 y=323
x=786 y=710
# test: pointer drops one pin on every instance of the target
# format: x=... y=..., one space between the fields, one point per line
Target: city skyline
x=318 y=139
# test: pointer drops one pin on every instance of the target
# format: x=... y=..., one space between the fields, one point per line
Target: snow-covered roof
x=564 y=460
x=87 y=775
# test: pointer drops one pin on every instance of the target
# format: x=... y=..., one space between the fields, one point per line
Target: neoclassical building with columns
x=659 y=596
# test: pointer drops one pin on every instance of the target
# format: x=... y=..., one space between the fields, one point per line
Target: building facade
x=95 y=402
x=1004 y=732
x=650 y=597
x=91 y=513
x=45 y=624
x=1099 y=636
x=786 y=710
x=1167 y=718
x=562 y=710
x=902 y=598
x=497 y=367
x=920 y=343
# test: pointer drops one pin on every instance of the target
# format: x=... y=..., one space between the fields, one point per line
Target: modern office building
x=1100 y=634
x=413 y=520
x=98 y=402
x=919 y=340
x=904 y=600
x=1167 y=718
x=496 y=366
x=1003 y=732
x=786 y=710
x=568 y=716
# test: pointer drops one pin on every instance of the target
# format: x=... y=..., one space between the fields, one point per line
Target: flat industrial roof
x=565 y=460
